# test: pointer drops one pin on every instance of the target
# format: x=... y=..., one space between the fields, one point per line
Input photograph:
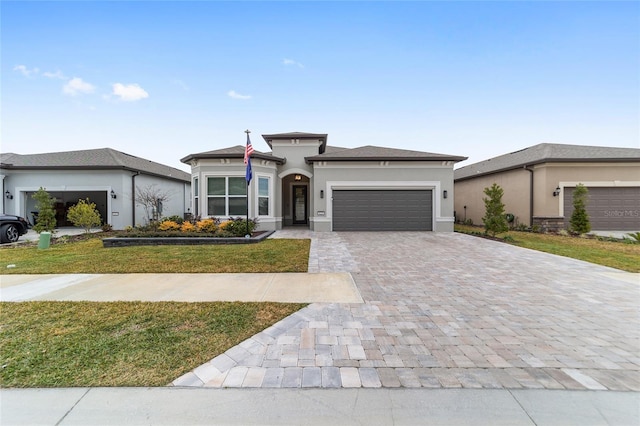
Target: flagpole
x=247 y=235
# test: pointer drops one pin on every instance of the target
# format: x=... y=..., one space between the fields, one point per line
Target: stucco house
x=305 y=182
x=538 y=184
x=109 y=178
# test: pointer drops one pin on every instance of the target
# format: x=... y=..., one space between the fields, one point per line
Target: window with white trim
x=263 y=196
x=226 y=196
x=196 y=193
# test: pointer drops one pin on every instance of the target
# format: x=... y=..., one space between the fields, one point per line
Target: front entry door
x=299 y=204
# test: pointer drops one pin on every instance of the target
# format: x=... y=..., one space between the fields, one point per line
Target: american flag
x=248 y=150
x=247 y=159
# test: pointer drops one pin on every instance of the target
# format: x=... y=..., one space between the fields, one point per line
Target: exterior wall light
x=297 y=177
x=445 y=194
x=322 y=193
x=556 y=192
x=8 y=195
x=113 y=194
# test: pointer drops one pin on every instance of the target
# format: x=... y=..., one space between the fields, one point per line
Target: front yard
x=55 y=344
x=88 y=256
x=615 y=254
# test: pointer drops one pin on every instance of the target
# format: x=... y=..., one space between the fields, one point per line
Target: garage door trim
x=434 y=186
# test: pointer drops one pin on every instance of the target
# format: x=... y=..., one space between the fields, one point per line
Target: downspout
x=133 y=199
x=530 y=195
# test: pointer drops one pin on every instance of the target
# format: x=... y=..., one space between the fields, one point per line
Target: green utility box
x=45 y=240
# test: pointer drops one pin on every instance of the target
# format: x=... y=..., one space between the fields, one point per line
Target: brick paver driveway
x=448 y=310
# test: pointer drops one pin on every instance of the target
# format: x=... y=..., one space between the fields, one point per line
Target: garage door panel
x=609 y=209
x=382 y=210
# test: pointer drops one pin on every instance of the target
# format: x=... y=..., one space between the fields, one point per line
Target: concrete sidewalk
x=283 y=287
x=180 y=406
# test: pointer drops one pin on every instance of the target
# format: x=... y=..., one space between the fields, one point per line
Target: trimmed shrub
x=46 y=215
x=188 y=227
x=207 y=225
x=494 y=218
x=579 y=222
x=169 y=225
x=175 y=218
x=85 y=215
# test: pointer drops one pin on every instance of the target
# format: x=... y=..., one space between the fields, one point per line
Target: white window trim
x=206 y=177
x=257 y=195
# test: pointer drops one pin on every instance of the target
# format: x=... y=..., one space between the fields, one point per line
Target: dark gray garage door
x=382 y=210
x=609 y=209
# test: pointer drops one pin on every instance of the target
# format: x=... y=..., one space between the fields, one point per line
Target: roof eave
x=313 y=159
x=204 y=156
x=125 y=168
x=548 y=160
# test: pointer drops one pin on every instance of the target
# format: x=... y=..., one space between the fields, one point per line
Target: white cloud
x=26 y=71
x=129 y=92
x=58 y=75
x=292 y=62
x=233 y=94
x=77 y=86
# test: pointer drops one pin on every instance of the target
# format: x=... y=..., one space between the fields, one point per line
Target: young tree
x=494 y=220
x=579 y=222
x=151 y=198
x=85 y=215
x=46 y=215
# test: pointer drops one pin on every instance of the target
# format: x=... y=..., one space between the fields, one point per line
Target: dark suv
x=11 y=227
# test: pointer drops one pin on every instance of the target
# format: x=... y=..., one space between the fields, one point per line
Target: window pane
x=263 y=187
x=215 y=186
x=237 y=206
x=216 y=206
x=237 y=186
x=263 y=206
x=195 y=187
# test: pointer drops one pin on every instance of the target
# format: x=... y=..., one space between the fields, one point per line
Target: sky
x=162 y=80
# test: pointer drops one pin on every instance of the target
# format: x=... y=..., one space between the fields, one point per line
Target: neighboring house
x=109 y=178
x=538 y=184
x=304 y=182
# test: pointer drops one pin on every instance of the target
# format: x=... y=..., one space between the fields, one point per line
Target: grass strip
x=615 y=254
x=89 y=256
x=60 y=344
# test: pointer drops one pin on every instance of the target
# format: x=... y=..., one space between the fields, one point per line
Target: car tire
x=9 y=233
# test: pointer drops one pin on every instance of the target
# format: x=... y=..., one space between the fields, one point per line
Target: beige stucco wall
x=552 y=175
x=546 y=177
x=515 y=184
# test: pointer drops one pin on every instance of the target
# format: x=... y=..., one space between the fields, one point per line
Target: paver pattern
x=446 y=310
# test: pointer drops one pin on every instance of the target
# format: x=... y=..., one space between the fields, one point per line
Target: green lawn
x=89 y=256
x=60 y=344
x=47 y=344
x=615 y=254
x=55 y=344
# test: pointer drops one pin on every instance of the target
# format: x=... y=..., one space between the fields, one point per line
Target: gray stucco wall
x=235 y=167
x=69 y=184
x=382 y=175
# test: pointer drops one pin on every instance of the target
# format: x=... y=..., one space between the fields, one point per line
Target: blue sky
x=162 y=80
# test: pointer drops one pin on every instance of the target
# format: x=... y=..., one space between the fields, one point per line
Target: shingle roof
x=547 y=153
x=376 y=153
x=103 y=158
x=231 y=152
